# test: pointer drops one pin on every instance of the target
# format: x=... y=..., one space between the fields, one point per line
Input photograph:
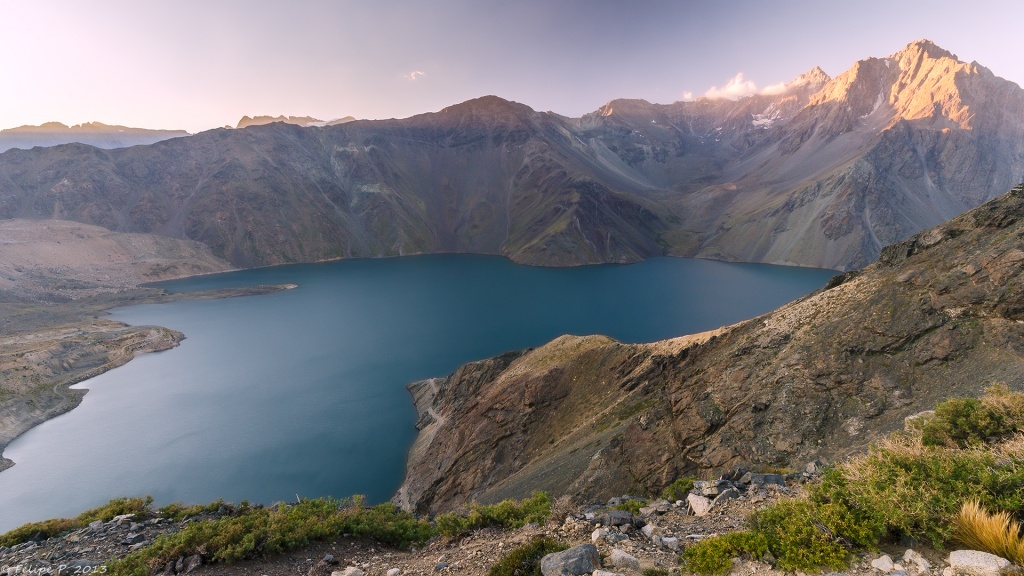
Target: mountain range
x=92 y=133
x=823 y=173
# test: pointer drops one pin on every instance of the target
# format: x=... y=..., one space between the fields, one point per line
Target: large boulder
x=575 y=561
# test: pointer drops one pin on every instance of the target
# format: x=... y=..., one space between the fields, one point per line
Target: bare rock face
x=940 y=314
x=823 y=172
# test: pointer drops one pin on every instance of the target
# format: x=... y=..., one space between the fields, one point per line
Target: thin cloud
x=414 y=75
x=734 y=89
x=737 y=87
x=775 y=89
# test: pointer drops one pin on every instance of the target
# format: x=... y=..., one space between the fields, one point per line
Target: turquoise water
x=302 y=392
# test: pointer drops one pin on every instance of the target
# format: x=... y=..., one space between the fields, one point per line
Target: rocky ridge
x=938 y=315
x=613 y=541
x=822 y=173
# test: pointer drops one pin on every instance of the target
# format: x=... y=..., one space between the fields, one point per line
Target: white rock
x=947 y=571
x=605 y=573
x=698 y=504
x=648 y=530
x=670 y=542
x=394 y=572
x=620 y=559
x=597 y=535
x=350 y=571
x=910 y=557
x=975 y=563
x=883 y=564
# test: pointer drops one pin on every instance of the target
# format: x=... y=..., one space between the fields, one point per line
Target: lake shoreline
x=52 y=396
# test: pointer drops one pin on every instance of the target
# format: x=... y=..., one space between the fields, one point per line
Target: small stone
x=118 y=520
x=883 y=564
x=350 y=571
x=670 y=542
x=698 y=504
x=605 y=573
x=133 y=538
x=620 y=559
x=192 y=562
x=329 y=559
x=727 y=494
x=975 y=563
x=910 y=557
x=598 y=534
x=648 y=530
x=440 y=566
x=394 y=572
x=947 y=571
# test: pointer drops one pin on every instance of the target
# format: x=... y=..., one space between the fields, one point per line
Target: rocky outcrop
x=939 y=314
x=823 y=173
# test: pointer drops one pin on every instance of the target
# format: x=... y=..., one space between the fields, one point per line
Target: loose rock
x=975 y=563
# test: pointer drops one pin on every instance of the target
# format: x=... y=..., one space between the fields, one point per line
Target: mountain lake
x=301 y=393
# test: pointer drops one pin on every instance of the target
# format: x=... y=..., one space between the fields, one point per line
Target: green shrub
x=805 y=536
x=505 y=514
x=963 y=422
x=50 y=528
x=714 y=555
x=907 y=489
x=178 y=512
x=525 y=560
x=632 y=506
x=678 y=490
x=262 y=532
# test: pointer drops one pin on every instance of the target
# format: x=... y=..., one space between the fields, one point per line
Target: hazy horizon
x=194 y=66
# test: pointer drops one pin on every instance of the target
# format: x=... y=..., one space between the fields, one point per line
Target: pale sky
x=201 y=64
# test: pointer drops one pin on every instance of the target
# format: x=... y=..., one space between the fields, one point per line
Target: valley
x=902 y=172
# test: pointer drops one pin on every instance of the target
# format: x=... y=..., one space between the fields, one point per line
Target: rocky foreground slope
x=823 y=173
x=939 y=314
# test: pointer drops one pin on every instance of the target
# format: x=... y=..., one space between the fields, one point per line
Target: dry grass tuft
x=995 y=533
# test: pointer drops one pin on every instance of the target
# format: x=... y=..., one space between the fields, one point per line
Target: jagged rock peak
x=924 y=47
x=815 y=77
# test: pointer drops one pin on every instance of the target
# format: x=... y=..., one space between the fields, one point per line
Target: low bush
x=525 y=560
x=505 y=514
x=632 y=506
x=178 y=512
x=964 y=422
x=678 y=490
x=714 y=555
x=907 y=489
x=49 y=528
x=804 y=536
x=261 y=532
